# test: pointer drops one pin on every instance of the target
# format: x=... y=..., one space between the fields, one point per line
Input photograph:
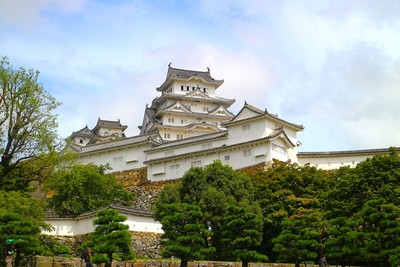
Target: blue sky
x=333 y=66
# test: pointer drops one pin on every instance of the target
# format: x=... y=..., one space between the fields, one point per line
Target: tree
x=27 y=126
x=77 y=188
x=19 y=235
x=212 y=188
x=298 y=240
x=242 y=233
x=21 y=220
x=111 y=238
x=367 y=201
x=185 y=235
x=291 y=199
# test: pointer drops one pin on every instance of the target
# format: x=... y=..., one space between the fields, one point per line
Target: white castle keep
x=189 y=125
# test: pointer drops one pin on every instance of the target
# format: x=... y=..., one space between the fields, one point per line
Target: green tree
x=27 y=127
x=298 y=241
x=21 y=220
x=111 y=238
x=78 y=188
x=213 y=188
x=21 y=236
x=185 y=235
x=367 y=199
x=242 y=233
x=290 y=197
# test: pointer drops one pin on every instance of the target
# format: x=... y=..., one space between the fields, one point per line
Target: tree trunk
x=184 y=262
x=245 y=263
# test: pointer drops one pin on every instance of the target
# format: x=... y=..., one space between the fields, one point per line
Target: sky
x=331 y=65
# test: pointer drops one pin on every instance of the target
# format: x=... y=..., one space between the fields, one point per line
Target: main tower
x=187 y=106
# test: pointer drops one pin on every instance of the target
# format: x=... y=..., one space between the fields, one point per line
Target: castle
x=189 y=125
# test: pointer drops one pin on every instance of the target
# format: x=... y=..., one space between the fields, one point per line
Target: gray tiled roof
x=182 y=74
x=360 y=152
x=111 y=124
x=120 y=143
x=122 y=209
x=260 y=113
x=224 y=147
x=189 y=141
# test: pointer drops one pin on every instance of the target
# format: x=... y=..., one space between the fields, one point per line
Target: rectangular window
x=166 y=136
x=181 y=87
x=206 y=146
x=196 y=163
x=247 y=153
x=246 y=127
x=280 y=150
x=227 y=157
x=174 y=167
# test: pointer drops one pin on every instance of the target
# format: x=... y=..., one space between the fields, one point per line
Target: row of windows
x=168 y=136
x=183 y=121
x=187 y=88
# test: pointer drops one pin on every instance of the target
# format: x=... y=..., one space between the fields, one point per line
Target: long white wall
x=77 y=226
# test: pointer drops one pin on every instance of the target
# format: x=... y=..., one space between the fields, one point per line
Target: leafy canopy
x=78 y=188
x=111 y=238
x=27 y=126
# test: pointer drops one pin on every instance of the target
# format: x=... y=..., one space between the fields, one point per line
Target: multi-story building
x=188 y=106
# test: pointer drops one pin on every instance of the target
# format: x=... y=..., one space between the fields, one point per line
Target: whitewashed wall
x=73 y=227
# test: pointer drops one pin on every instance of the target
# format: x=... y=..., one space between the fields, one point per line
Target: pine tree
x=111 y=238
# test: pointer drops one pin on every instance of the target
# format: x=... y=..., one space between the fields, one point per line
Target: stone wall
x=146 y=245
x=146 y=192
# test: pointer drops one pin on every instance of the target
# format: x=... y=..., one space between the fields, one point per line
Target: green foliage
x=291 y=198
x=27 y=127
x=184 y=235
x=53 y=247
x=242 y=233
x=367 y=199
x=111 y=238
x=23 y=236
x=212 y=188
x=78 y=188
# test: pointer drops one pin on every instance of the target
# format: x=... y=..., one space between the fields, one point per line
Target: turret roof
x=182 y=74
x=258 y=113
x=111 y=124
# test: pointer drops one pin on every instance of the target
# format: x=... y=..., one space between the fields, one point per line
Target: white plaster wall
x=72 y=227
x=119 y=159
x=332 y=163
x=236 y=158
x=257 y=130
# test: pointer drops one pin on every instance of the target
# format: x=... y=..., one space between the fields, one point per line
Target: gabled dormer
x=81 y=137
x=105 y=128
x=221 y=111
x=178 y=107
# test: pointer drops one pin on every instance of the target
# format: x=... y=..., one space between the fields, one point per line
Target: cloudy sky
x=333 y=66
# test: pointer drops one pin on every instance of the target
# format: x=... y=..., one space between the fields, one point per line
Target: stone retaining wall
x=41 y=261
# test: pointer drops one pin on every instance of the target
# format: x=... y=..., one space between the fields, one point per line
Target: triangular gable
x=221 y=111
x=281 y=134
x=198 y=94
x=178 y=107
x=248 y=111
